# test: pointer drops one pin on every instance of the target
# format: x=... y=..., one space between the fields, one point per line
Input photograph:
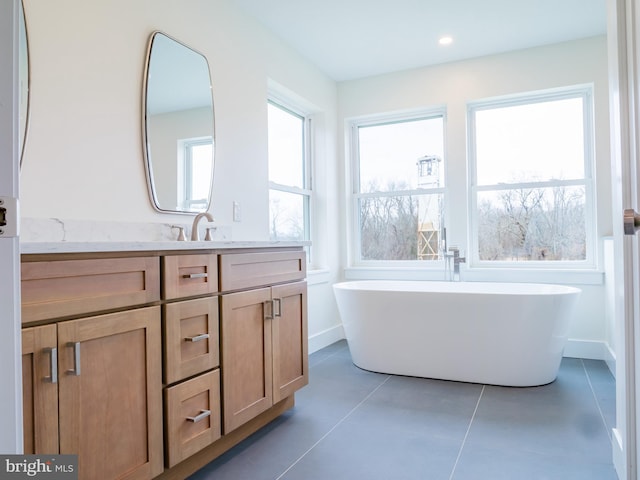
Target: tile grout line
x=595 y=397
x=332 y=428
x=464 y=440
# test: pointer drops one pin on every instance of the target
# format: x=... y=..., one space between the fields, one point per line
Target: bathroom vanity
x=152 y=362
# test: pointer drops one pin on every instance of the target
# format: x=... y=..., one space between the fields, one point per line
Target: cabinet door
x=111 y=394
x=246 y=356
x=40 y=389
x=290 y=342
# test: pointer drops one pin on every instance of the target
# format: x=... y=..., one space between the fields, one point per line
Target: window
x=399 y=187
x=531 y=184
x=194 y=191
x=289 y=179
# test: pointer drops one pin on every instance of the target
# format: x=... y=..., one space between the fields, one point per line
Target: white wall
x=84 y=157
x=455 y=84
x=85 y=129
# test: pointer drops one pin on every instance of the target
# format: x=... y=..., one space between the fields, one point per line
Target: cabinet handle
x=277 y=312
x=201 y=416
x=195 y=275
x=268 y=309
x=197 y=338
x=76 y=358
x=53 y=361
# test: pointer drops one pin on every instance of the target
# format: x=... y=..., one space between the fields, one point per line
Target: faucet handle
x=207 y=236
x=181 y=235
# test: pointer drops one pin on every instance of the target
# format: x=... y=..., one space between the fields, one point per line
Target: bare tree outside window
x=531 y=187
x=532 y=224
x=531 y=159
x=400 y=189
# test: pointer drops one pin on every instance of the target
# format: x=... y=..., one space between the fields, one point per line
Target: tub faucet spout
x=453 y=254
x=195 y=236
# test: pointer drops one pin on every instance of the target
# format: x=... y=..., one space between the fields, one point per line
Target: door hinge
x=9 y=217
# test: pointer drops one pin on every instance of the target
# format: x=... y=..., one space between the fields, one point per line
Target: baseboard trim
x=588 y=349
x=325 y=338
x=610 y=359
x=618 y=454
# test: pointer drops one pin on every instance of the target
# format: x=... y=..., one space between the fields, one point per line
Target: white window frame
x=307 y=190
x=353 y=214
x=579 y=91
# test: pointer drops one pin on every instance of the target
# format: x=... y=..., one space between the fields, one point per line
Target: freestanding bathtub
x=509 y=334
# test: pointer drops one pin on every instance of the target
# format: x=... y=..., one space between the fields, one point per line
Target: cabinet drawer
x=55 y=289
x=192 y=416
x=248 y=270
x=189 y=275
x=191 y=338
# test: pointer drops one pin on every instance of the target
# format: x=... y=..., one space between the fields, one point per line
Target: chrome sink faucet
x=195 y=236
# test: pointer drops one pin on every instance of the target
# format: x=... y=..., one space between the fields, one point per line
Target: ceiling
x=349 y=39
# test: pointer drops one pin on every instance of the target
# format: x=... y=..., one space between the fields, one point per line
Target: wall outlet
x=237 y=215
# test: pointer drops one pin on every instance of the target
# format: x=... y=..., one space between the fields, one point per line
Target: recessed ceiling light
x=446 y=40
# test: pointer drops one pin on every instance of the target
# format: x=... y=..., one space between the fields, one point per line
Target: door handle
x=76 y=358
x=53 y=362
x=631 y=221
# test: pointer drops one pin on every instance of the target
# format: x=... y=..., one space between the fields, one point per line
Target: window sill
x=318 y=276
x=574 y=277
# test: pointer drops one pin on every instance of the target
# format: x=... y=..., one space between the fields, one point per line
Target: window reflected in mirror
x=178 y=128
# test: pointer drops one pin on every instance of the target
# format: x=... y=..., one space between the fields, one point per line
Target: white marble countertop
x=54 y=235
x=131 y=246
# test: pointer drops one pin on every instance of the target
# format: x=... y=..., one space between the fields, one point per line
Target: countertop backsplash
x=59 y=230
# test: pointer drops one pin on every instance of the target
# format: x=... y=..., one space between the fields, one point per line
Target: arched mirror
x=178 y=126
x=23 y=78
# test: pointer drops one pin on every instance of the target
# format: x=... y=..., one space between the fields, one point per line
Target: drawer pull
x=197 y=338
x=76 y=358
x=195 y=275
x=201 y=416
x=53 y=359
x=277 y=312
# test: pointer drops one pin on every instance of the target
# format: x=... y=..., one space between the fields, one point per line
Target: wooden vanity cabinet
x=263 y=334
x=191 y=329
x=106 y=405
x=153 y=365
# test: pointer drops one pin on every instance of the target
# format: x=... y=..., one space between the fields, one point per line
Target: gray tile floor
x=353 y=424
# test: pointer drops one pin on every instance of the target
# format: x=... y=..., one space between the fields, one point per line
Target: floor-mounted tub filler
x=509 y=334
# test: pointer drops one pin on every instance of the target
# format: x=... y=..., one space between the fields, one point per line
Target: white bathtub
x=493 y=333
